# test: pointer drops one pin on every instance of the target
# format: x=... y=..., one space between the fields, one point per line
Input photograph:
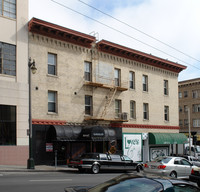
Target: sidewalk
x=38 y=168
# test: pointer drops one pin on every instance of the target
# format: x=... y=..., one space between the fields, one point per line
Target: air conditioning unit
x=124 y=116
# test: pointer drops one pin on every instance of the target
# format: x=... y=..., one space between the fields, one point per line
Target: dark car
x=195 y=175
x=102 y=161
x=139 y=183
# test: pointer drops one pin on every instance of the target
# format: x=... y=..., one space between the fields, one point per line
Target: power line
x=122 y=33
x=139 y=30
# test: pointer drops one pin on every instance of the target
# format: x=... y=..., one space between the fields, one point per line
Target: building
x=189 y=107
x=92 y=96
x=13 y=82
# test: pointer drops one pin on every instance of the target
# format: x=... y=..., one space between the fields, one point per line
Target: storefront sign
x=49 y=147
x=158 y=151
x=132 y=146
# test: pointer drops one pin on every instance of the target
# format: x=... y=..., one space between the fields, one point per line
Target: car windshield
x=130 y=185
x=162 y=159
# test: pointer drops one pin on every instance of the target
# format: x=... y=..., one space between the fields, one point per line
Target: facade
x=92 y=96
x=189 y=107
x=13 y=82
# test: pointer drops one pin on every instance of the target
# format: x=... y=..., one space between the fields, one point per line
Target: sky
x=169 y=29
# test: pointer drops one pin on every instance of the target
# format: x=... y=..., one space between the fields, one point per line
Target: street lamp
x=30 y=162
x=189 y=130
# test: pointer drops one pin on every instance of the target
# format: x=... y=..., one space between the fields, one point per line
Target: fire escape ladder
x=109 y=99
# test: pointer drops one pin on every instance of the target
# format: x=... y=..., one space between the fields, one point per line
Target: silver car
x=169 y=166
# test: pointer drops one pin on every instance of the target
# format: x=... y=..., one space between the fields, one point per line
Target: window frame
x=145 y=111
x=132 y=109
x=54 y=65
x=118 y=108
x=6 y=11
x=166 y=113
x=88 y=71
x=145 y=83
x=166 y=87
x=131 y=80
x=88 y=106
x=54 y=102
x=117 y=77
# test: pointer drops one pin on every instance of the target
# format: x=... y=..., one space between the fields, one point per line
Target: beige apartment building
x=98 y=96
x=13 y=82
x=189 y=107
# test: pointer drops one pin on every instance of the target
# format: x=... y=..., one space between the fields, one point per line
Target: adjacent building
x=189 y=108
x=13 y=82
x=98 y=96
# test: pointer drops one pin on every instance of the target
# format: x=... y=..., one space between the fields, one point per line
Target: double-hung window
x=8 y=8
x=166 y=113
x=145 y=111
x=132 y=110
x=52 y=64
x=145 y=82
x=52 y=99
x=118 y=108
x=166 y=89
x=88 y=105
x=117 y=77
x=7 y=59
x=131 y=80
x=88 y=71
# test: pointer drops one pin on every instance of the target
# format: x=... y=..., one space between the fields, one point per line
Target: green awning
x=167 y=138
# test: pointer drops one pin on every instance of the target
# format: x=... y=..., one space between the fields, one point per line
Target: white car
x=169 y=166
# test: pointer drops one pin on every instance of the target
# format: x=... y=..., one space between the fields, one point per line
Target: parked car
x=102 y=161
x=193 y=160
x=170 y=166
x=139 y=183
x=195 y=175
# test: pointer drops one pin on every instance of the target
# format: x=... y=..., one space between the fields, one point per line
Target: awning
x=98 y=133
x=63 y=133
x=167 y=138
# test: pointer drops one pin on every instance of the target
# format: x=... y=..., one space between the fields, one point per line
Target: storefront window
x=7 y=125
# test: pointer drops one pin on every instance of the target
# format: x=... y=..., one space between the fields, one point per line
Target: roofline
x=189 y=80
x=58 y=32
x=122 y=51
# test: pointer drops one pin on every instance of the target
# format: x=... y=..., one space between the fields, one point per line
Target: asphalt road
x=51 y=182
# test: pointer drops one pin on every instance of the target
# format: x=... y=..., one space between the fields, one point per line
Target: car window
x=185 y=162
x=136 y=184
x=184 y=188
x=126 y=158
x=115 y=157
x=165 y=160
x=177 y=162
x=103 y=157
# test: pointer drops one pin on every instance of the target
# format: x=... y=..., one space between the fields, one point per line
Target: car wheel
x=173 y=174
x=95 y=169
x=138 y=169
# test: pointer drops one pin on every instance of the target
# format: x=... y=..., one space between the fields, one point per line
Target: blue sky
x=173 y=22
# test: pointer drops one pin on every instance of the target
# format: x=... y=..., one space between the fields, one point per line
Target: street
x=49 y=181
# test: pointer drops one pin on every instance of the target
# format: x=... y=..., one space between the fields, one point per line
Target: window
x=117 y=108
x=196 y=122
x=132 y=110
x=7 y=59
x=88 y=105
x=180 y=109
x=8 y=8
x=166 y=90
x=185 y=94
x=185 y=108
x=179 y=95
x=88 y=71
x=145 y=82
x=180 y=122
x=196 y=108
x=7 y=125
x=196 y=93
x=185 y=122
x=166 y=113
x=117 y=77
x=131 y=80
x=52 y=63
x=145 y=111
x=52 y=97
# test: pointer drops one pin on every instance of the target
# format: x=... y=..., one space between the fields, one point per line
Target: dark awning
x=63 y=133
x=98 y=133
x=167 y=138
